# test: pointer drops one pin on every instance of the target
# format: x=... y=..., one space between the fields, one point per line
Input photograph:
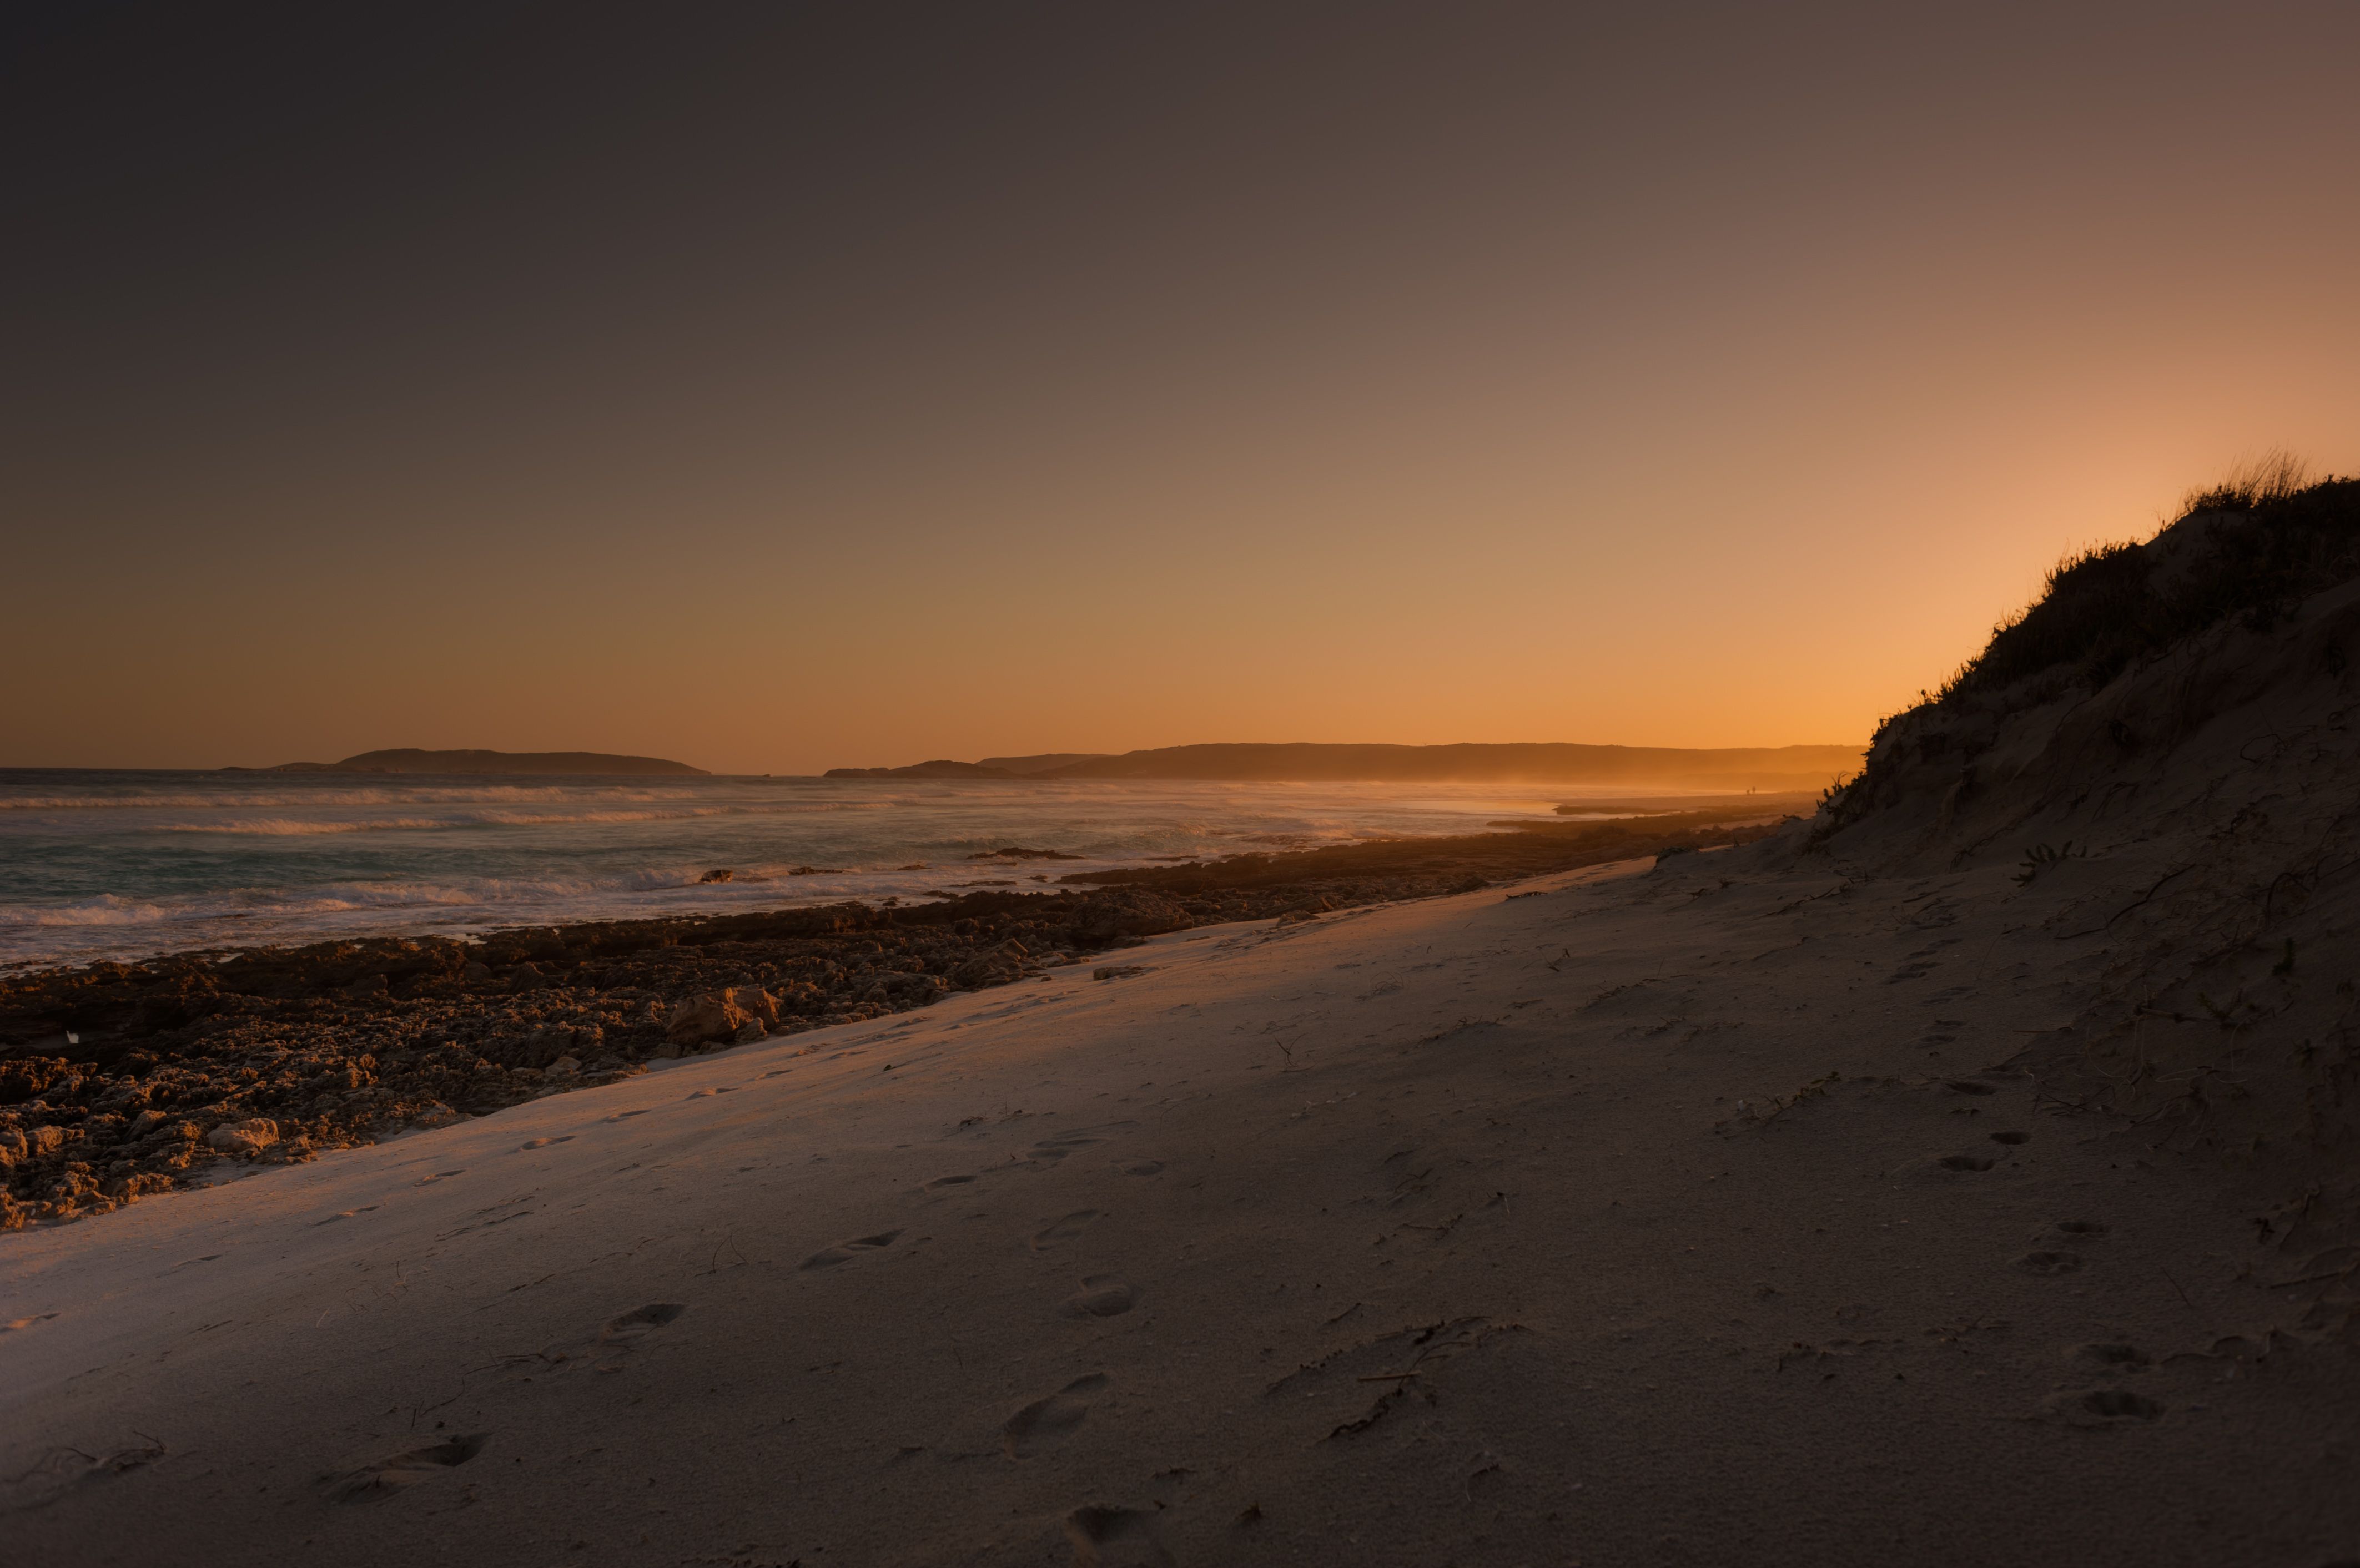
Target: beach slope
x=1700 y=1213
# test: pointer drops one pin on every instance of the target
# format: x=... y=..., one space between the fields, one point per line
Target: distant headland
x=1736 y=768
x=411 y=759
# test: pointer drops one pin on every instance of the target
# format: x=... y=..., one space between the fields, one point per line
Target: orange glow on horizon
x=840 y=401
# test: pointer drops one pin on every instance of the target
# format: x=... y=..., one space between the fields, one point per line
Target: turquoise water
x=118 y=865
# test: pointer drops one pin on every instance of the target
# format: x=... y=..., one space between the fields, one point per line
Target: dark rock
x=758 y=1003
x=250 y=1137
x=538 y=1048
x=28 y=1077
x=996 y=967
x=700 y=1020
x=1120 y=912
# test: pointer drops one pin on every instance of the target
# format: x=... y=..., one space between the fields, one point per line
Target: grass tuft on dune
x=2251 y=546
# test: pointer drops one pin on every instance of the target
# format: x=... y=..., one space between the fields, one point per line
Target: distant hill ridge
x=411 y=759
x=1735 y=767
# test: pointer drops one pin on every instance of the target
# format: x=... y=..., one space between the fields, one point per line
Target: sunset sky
x=781 y=387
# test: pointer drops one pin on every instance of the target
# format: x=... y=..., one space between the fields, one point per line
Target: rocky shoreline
x=118 y=1080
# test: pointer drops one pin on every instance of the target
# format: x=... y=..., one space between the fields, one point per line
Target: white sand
x=1411 y=1236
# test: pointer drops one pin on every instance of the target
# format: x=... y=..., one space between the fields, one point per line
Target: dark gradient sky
x=776 y=386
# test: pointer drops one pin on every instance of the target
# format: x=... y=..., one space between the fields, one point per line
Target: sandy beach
x=1180 y=787
x=122 y=1080
x=1710 y=1212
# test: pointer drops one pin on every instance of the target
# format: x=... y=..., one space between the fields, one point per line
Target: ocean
x=121 y=864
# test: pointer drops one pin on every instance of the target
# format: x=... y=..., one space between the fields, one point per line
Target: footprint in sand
x=1044 y=1423
x=2101 y=1407
x=1101 y=1296
x=348 y=1214
x=630 y=1327
x=544 y=1142
x=625 y=1332
x=2011 y=1139
x=2048 y=1263
x=1049 y=1150
x=624 y=1116
x=405 y=1469
x=939 y=1183
x=1966 y=1162
x=609 y=1352
x=438 y=1176
x=846 y=1251
x=2112 y=1357
x=1115 y=1538
x=1063 y=1230
x=1145 y=1168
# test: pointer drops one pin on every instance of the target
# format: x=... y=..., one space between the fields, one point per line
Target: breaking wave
x=120 y=865
x=301 y=827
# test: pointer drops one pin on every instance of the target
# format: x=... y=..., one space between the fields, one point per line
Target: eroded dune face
x=2196 y=812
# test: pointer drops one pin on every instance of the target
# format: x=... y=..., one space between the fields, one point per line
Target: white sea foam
x=342 y=896
x=103 y=911
x=299 y=827
x=136 y=800
x=120 y=865
x=245 y=799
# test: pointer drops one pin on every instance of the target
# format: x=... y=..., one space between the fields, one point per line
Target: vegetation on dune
x=2246 y=552
x=2252 y=547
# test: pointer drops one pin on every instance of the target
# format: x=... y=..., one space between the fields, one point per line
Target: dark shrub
x=2259 y=546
